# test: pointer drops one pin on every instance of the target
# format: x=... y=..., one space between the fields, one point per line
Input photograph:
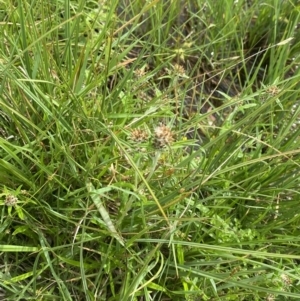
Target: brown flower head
x=179 y=70
x=11 y=200
x=138 y=135
x=139 y=73
x=270 y=297
x=273 y=90
x=163 y=136
x=285 y=280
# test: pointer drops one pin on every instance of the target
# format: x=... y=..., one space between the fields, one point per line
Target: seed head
x=273 y=90
x=11 y=200
x=138 y=135
x=270 y=297
x=179 y=70
x=286 y=280
x=163 y=136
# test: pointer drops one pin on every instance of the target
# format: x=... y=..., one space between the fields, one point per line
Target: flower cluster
x=179 y=70
x=273 y=90
x=162 y=136
x=138 y=135
x=285 y=280
x=11 y=200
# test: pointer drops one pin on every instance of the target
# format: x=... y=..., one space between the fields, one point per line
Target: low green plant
x=149 y=150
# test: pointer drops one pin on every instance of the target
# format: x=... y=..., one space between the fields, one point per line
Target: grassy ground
x=149 y=150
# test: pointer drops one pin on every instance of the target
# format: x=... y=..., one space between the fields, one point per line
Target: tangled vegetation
x=149 y=150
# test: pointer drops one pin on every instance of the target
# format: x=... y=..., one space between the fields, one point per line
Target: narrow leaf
x=95 y=195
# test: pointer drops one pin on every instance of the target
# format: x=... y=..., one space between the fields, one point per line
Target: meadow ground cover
x=149 y=150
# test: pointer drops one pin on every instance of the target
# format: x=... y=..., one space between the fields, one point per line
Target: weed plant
x=149 y=150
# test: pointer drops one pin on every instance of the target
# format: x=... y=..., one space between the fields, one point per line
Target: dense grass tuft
x=149 y=150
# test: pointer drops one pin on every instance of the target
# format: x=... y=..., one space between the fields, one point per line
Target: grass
x=149 y=150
